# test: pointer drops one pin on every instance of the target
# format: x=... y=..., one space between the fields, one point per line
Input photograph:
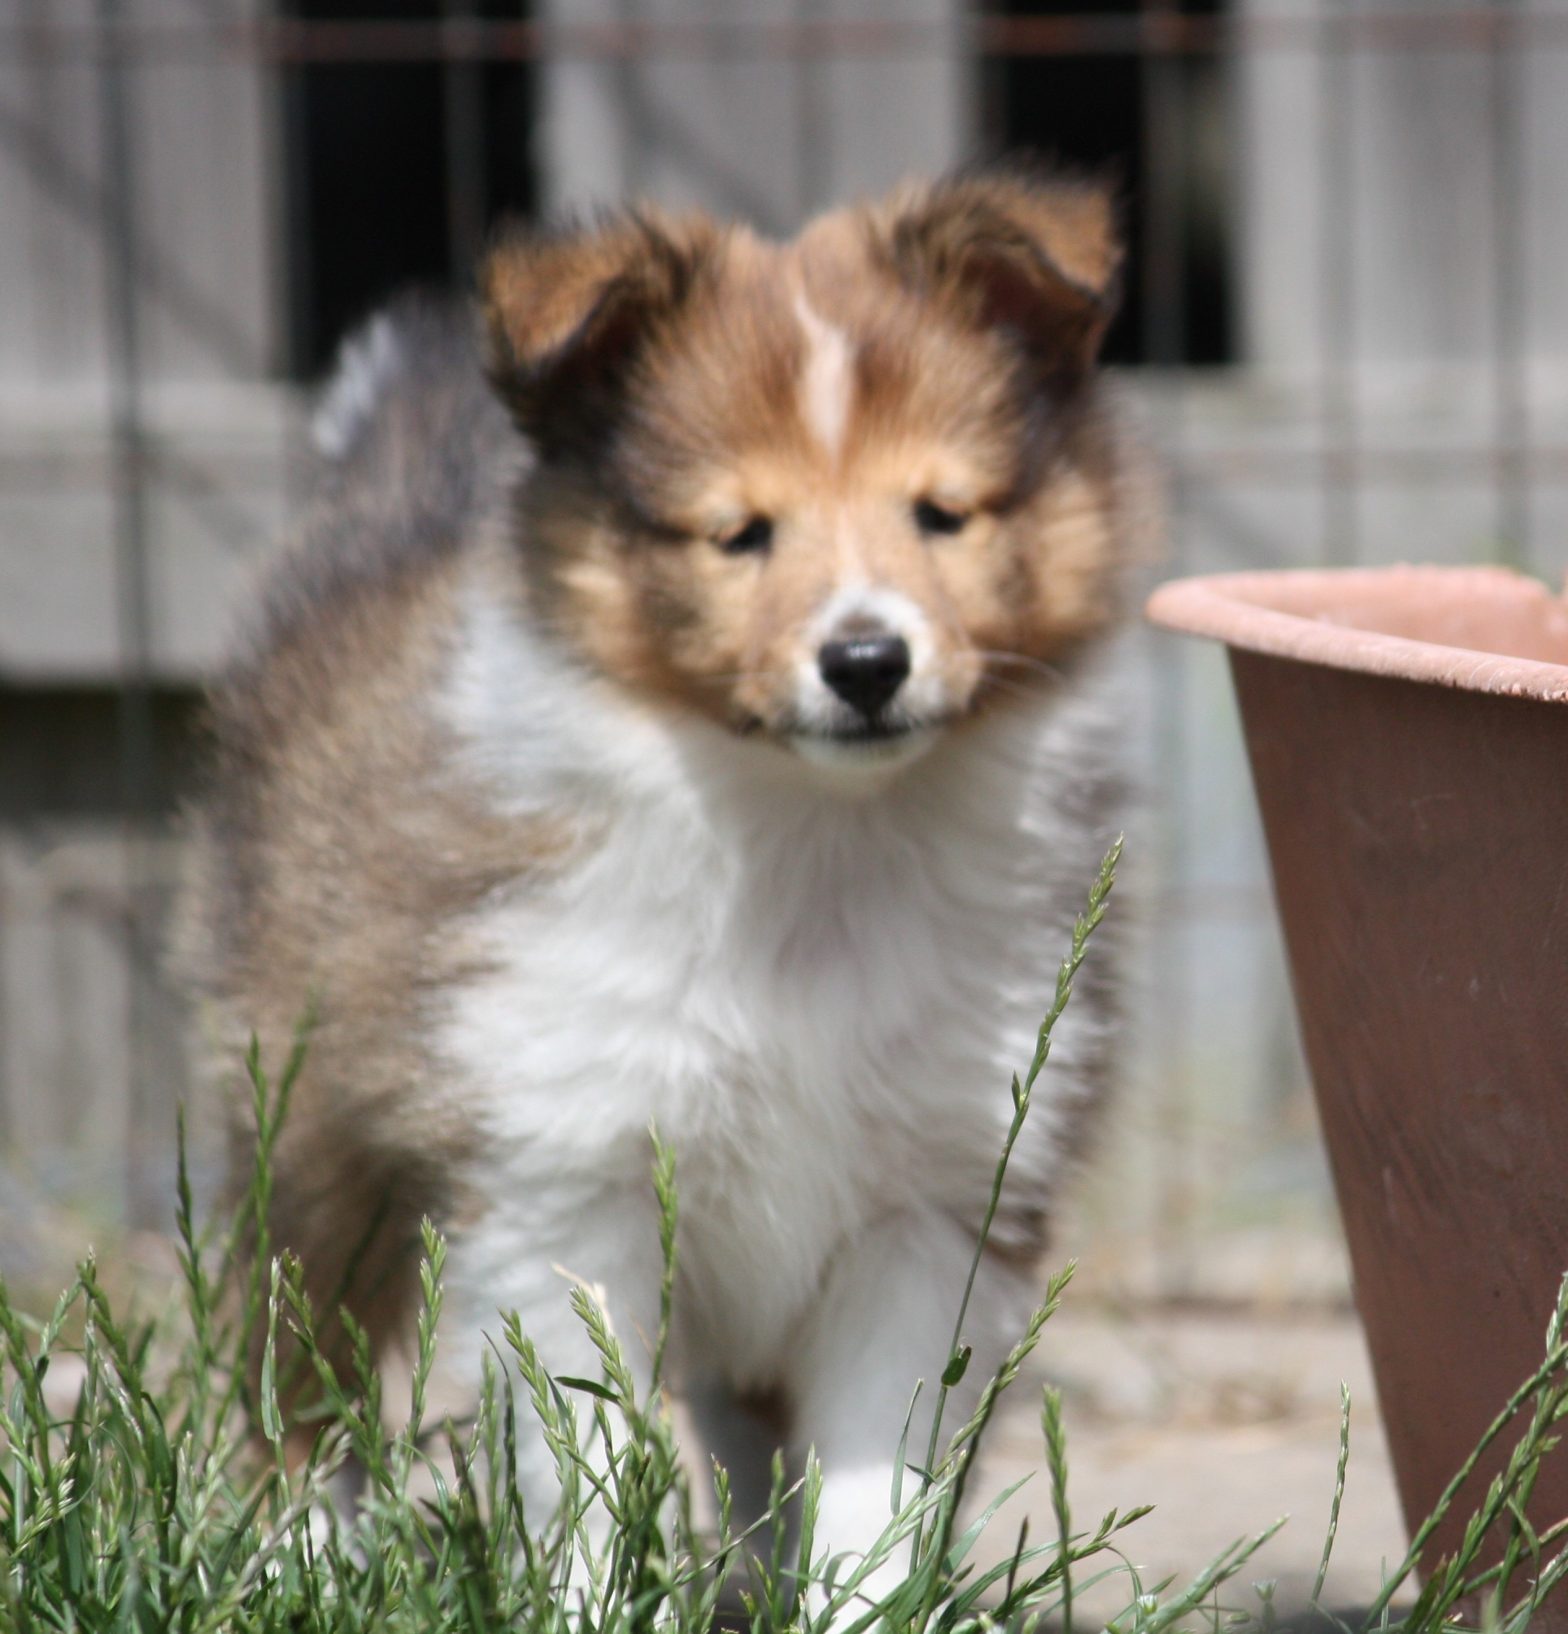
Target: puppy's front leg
x=885 y=1320
x=519 y=1258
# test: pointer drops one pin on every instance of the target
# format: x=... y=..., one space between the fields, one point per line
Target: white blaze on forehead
x=858 y=603
x=828 y=380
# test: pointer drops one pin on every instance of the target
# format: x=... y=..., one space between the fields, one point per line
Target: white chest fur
x=817 y=996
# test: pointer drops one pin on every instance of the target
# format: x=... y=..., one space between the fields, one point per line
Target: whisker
x=568 y=633
x=996 y=661
x=1012 y=689
x=1018 y=660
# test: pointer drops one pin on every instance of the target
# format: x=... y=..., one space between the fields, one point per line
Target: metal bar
x=159 y=275
x=1161 y=89
x=11 y=1089
x=1164 y=320
x=133 y=610
x=1343 y=464
x=289 y=158
x=634 y=122
x=462 y=99
x=1337 y=198
x=1143 y=34
x=44 y=470
x=813 y=124
x=1510 y=389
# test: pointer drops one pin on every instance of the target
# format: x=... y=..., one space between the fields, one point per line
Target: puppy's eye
x=938 y=519
x=754 y=535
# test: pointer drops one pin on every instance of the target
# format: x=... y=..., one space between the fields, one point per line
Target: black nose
x=865 y=670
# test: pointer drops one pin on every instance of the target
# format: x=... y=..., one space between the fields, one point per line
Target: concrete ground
x=1224 y=1422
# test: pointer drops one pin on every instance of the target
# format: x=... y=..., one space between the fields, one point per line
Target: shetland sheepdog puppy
x=683 y=705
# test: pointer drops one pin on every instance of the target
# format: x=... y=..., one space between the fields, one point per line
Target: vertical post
x=1510 y=388
x=290 y=189
x=813 y=120
x=462 y=99
x=1163 y=317
x=1341 y=543
x=1164 y=167
x=751 y=127
x=1163 y=321
x=127 y=431
x=631 y=93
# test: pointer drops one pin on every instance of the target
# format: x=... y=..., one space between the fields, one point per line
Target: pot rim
x=1272 y=612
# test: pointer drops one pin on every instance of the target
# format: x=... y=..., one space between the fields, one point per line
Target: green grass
x=163 y=1498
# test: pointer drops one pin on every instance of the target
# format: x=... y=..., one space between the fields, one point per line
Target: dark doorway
x=386 y=161
x=1099 y=111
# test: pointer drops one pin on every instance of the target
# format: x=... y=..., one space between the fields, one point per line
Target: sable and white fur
x=530 y=782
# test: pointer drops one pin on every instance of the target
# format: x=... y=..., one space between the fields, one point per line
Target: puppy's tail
x=371 y=361
x=406 y=405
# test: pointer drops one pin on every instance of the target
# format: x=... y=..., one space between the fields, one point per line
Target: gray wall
x=91 y=1059
x=1378 y=321
x=767 y=140
x=1370 y=192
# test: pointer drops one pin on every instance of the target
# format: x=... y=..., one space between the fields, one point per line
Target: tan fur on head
x=1041 y=255
x=561 y=308
x=682 y=383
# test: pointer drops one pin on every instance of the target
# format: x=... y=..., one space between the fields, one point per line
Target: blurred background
x=1345 y=330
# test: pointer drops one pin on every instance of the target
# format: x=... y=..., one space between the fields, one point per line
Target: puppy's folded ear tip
x=561 y=304
x=1015 y=243
x=1073 y=214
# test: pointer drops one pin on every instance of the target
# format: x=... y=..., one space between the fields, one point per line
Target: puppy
x=698 y=722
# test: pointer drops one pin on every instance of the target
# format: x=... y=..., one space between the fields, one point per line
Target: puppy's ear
x=1035 y=255
x=566 y=312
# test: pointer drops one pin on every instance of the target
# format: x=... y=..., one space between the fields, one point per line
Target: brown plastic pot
x=1408 y=734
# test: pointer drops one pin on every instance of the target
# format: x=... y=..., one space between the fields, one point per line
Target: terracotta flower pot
x=1408 y=734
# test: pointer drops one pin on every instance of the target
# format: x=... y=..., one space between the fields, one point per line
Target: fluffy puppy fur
x=701 y=723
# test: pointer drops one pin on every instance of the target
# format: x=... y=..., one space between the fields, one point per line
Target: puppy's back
x=334 y=846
